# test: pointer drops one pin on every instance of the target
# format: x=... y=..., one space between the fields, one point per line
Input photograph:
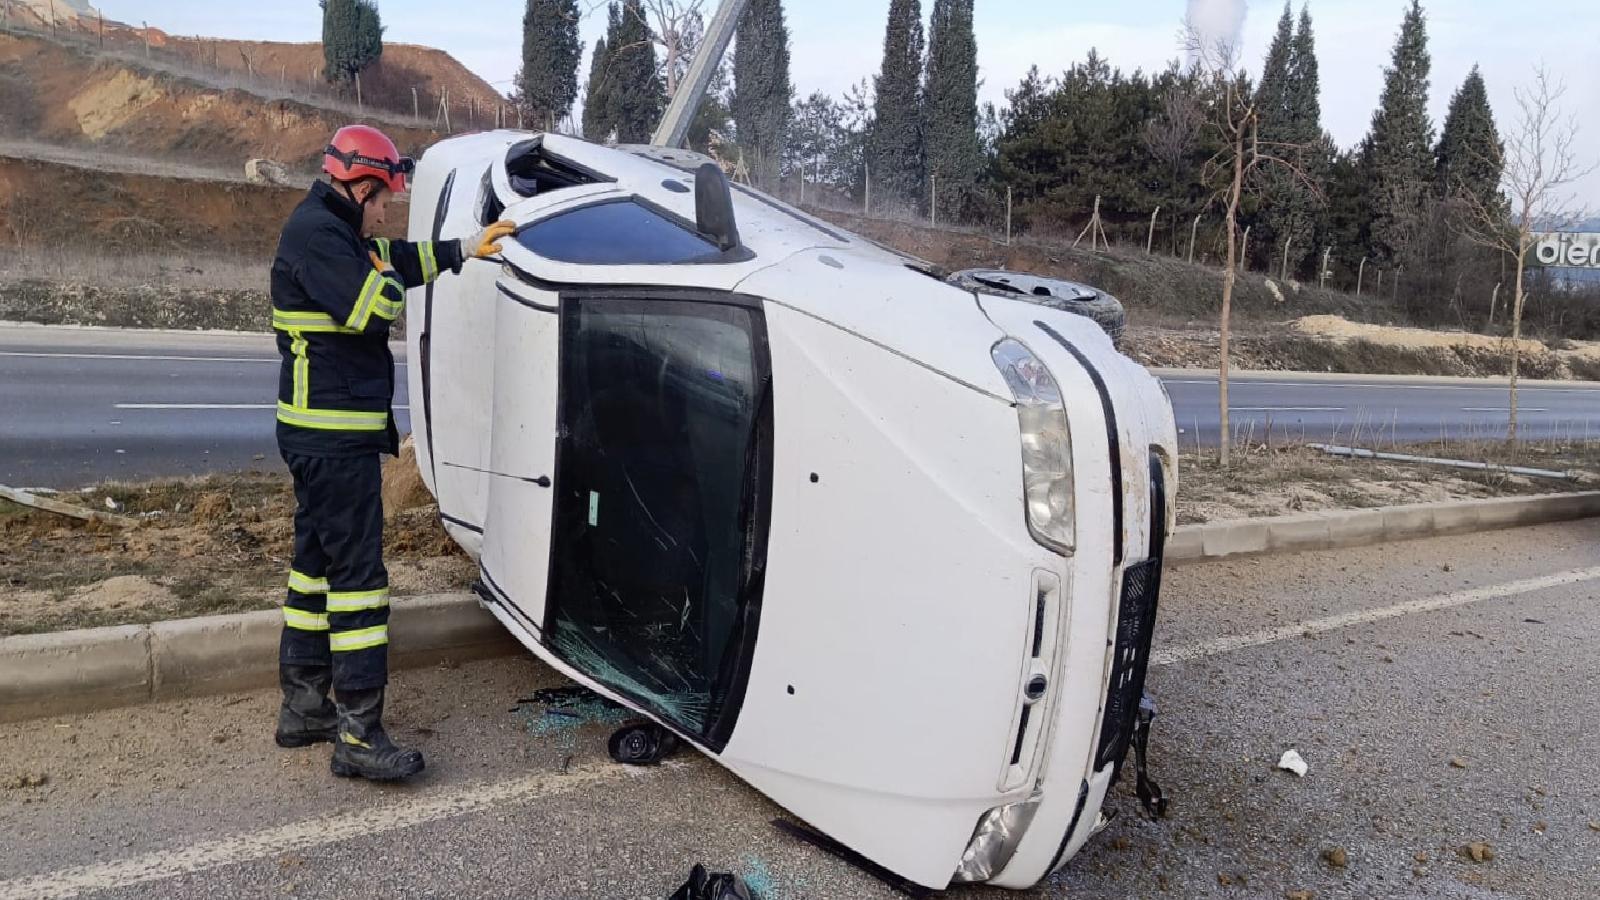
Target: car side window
x=617 y=233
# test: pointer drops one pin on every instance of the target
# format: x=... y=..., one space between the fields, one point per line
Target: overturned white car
x=887 y=549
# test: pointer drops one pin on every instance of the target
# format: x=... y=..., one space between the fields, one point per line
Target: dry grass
x=1286 y=480
x=204 y=545
x=78 y=265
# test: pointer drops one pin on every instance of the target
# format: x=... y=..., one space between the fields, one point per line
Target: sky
x=836 y=43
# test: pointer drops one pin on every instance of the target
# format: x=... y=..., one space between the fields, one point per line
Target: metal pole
x=1193 y=231
x=358 y=90
x=1283 y=273
x=1494 y=300
x=691 y=90
x=416 y=104
x=1361 y=275
x=1322 y=276
x=867 y=210
x=1150 y=240
x=933 y=202
x=1244 y=251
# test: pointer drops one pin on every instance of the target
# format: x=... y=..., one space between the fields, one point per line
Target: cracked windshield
x=660 y=408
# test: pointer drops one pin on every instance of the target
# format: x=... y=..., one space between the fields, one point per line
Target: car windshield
x=660 y=502
x=619 y=232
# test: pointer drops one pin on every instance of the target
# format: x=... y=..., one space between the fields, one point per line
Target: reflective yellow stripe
x=332 y=419
x=300 y=620
x=355 y=601
x=371 y=295
x=383 y=309
x=305 y=584
x=383 y=249
x=345 y=641
x=430 y=262
x=308 y=322
x=302 y=369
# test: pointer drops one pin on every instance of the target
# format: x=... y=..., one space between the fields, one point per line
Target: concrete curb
x=99 y=668
x=1347 y=379
x=1359 y=528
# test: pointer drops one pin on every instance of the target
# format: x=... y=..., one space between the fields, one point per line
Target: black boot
x=308 y=716
x=362 y=749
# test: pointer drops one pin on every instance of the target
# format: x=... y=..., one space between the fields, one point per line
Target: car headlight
x=995 y=841
x=1046 y=445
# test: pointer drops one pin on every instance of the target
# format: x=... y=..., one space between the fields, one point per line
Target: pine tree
x=352 y=38
x=953 y=152
x=637 y=96
x=1397 y=156
x=597 y=122
x=1293 y=200
x=548 y=82
x=895 y=149
x=762 y=91
x=1471 y=157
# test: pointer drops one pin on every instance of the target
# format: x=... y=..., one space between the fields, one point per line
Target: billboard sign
x=1567 y=250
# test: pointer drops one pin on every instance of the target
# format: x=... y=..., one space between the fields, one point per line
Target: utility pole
x=680 y=113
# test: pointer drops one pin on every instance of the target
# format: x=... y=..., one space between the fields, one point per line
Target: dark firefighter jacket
x=332 y=309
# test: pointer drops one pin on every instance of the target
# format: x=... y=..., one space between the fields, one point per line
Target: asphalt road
x=81 y=405
x=1442 y=693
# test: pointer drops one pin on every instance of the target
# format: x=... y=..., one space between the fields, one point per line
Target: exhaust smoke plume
x=1216 y=22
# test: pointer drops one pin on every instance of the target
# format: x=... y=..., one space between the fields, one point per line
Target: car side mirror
x=713 y=207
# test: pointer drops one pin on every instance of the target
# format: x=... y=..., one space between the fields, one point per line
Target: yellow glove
x=486 y=243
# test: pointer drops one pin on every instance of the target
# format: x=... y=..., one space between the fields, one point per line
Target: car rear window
x=614 y=234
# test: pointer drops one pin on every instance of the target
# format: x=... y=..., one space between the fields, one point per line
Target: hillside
x=56 y=93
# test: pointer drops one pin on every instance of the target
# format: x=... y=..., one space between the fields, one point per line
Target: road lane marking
x=164 y=406
x=150 y=357
x=305 y=836
x=1501 y=409
x=1286 y=409
x=1222 y=645
x=1237 y=383
x=132 y=356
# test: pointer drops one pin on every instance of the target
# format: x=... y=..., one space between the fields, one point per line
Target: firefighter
x=336 y=291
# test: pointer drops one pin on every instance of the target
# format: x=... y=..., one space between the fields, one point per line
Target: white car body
x=877 y=669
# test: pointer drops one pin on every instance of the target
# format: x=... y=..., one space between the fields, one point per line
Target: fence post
x=416 y=104
x=444 y=102
x=1244 y=251
x=1380 y=282
x=1361 y=275
x=358 y=90
x=933 y=202
x=1494 y=300
x=867 y=209
x=1394 y=293
x=1150 y=240
x=146 y=39
x=102 y=29
x=1283 y=273
x=1194 y=230
x=1322 y=275
x=1008 y=215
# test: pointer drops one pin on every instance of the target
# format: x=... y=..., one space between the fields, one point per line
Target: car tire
x=1079 y=299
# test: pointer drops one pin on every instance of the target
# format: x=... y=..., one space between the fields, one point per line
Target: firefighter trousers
x=337 y=610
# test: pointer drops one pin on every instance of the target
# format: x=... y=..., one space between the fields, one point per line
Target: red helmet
x=361 y=151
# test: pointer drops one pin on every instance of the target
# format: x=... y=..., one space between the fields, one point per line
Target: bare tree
x=1233 y=112
x=678 y=26
x=1172 y=135
x=1541 y=162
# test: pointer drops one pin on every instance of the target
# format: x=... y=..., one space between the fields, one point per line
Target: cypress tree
x=548 y=82
x=1471 y=157
x=352 y=38
x=762 y=91
x=954 y=153
x=895 y=145
x=637 y=94
x=1397 y=156
x=597 y=123
x=1272 y=95
x=1291 y=124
